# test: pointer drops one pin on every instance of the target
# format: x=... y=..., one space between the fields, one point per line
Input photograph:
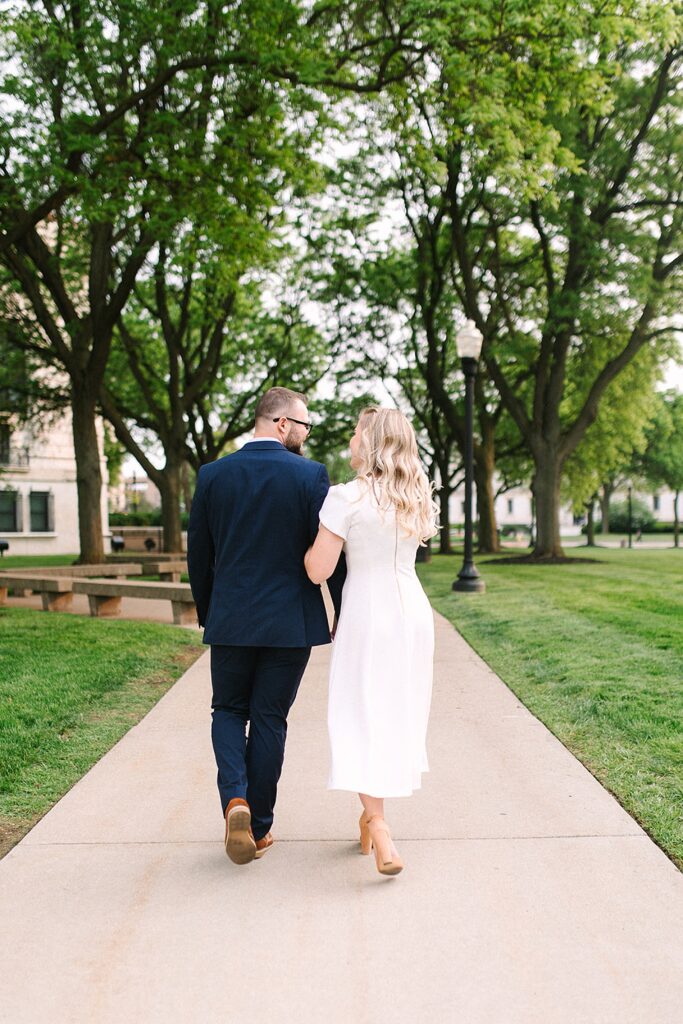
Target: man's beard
x=295 y=447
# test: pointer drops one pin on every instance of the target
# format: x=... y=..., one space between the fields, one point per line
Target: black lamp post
x=468 y=341
x=630 y=515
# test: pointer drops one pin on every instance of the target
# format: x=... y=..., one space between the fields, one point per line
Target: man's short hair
x=277 y=402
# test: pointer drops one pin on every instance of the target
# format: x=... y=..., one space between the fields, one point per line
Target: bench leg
x=169 y=577
x=104 y=606
x=57 y=602
x=184 y=614
x=3 y=595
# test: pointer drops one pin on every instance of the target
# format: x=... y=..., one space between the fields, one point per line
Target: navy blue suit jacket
x=254 y=515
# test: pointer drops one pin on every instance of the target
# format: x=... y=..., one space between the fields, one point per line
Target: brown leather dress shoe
x=263 y=844
x=239 y=842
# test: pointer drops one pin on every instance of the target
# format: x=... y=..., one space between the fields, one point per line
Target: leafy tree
x=334 y=420
x=593 y=279
x=662 y=461
x=562 y=240
x=122 y=121
x=464 y=156
x=189 y=361
x=101 y=157
x=607 y=451
x=115 y=454
x=439 y=447
x=28 y=392
x=396 y=317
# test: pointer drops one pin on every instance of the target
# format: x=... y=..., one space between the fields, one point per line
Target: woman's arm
x=321 y=559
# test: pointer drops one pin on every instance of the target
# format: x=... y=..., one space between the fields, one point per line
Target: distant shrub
x=641 y=516
x=659 y=528
x=513 y=529
x=152 y=518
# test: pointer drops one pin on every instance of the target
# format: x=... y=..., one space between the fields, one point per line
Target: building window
x=10 y=512
x=4 y=444
x=510 y=506
x=655 y=503
x=41 y=512
x=11 y=456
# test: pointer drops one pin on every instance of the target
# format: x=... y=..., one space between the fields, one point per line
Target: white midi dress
x=382 y=657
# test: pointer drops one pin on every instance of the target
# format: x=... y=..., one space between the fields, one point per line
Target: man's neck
x=265 y=437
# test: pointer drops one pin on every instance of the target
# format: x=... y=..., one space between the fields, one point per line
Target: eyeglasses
x=302 y=423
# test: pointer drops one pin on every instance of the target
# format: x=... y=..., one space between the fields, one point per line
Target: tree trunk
x=88 y=473
x=546 y=491
x=677 y=525
x=169 y=485
x=484 y=468
x=445 y=491
x=590 y=525
x=444 y=519
x=185 y=484
x=168 y=480
x=605 y=498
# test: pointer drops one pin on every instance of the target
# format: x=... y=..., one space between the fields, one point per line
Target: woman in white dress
x=381 y=671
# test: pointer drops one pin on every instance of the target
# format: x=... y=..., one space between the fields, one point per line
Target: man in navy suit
x=254 y=515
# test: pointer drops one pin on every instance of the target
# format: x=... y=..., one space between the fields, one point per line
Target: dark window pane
x=39 y=512
x=8 y=513
x=4 y=444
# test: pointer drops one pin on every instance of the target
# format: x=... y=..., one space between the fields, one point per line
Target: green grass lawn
x=30 y=561
x=70 y=687
x=615 y=539
x=596 y=652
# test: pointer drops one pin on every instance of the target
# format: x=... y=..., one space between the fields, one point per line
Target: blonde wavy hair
x=390 y=464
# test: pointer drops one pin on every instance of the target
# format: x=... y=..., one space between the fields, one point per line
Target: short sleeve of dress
x=336 y=511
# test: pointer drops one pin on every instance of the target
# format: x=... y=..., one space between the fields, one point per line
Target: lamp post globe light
x=468 y=342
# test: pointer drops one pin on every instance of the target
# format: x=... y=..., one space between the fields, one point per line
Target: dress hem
x=339 y=787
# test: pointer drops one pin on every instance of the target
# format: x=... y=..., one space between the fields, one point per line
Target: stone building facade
x=38 y=497
x=514 y=508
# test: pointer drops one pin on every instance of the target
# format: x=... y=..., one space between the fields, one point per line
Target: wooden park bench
x=56 y=591
x=104 y=596
x=120 y=571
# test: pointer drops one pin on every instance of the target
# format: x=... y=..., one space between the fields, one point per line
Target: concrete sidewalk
x=528 y=896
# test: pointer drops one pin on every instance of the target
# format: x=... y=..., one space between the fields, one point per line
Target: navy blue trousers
x=254 y=685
